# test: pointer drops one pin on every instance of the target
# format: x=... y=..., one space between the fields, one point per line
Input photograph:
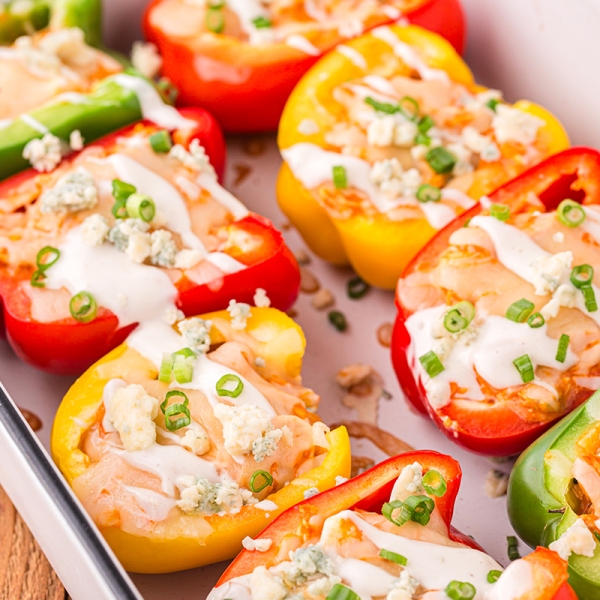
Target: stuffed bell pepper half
x=498 y=330
x=385 y=535
x=554 y=495
x=387 y=139
x=188 y=438
x=132 y=228
x=242 y=58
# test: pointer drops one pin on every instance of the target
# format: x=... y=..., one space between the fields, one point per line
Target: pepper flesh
x=496 y=429
x=377 y=247
x=259 y=78
x=282 y=346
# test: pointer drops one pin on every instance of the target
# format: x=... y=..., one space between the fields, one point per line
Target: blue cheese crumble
x=43 y=154
x=196 y=332
x=74 y=192
x=198 y=495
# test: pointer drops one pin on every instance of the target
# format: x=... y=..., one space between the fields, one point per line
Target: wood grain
x=25 y=573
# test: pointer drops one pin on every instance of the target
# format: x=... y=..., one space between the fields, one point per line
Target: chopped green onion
x=183 y=368
x=429 y=193
x=442 y=161
x=500 y=211
x=83 y=307
x=46 y=257
x=563 y=346
x=166 y=368
x=434 y=483
x=37 y=279
x=262 y=22
x=119 y=210
x=570 y=213
x=425 y=124
x=185 y=352
x=525 y=368
x=536 y=320
x=597 y=535
x=161 y=141
x=393 y=556
x=431 y=363
x=357 y=288
x=415 y=508
x=460 y=590
x=214 y=20
x=338 y=320
x=174 y=410
x=582 y=275
x=216 y=3
x=409 y=107
x=265 y=476
x=167 y=90
x=422 y=139
x=121 y=190
x=459 y=317
x=589 y=297
x=512 y=547
x=493 y=576
x=140 y=206
x=492 y=104
x=341 y=592
x=383 y=107
x=340 y=179
x=519 y=311
x=224 y=387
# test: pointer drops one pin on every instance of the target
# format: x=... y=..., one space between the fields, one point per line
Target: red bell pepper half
x=67 y=346
x=492 y=428
x=246 y=85
x=369 y=491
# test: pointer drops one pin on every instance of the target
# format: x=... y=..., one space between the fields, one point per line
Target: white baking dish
x=543 y=51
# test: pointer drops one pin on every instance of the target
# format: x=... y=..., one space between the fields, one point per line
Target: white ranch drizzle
x=353 y=55
x=514 y=583
x=219 y=193
x=247 y=11
x=156 y=506
x=226 y=263
x=591 y=223
x=381 y=84
x=312 y=166
x=33 y=123
x=301 y=43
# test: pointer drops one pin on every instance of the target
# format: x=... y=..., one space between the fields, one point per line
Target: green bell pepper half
x=20 y=17
x=540 y=507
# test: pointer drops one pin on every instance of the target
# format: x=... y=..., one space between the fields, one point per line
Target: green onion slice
x=119 y=210
x=37 y=279
x=429 y=193
x=383 y=107
x=173 y=424
x=570 y=213
x=536 y=320
x=492 y=104
x=589 y=297
x=434 y=483
x=422 y=139
x=388 y=509
x=161 y=141
x=460 y=590
x=525 y=368
x=393 y=556
x=183 y=368
x=340 y=179
x=185 y=352
x=46 y=257
x=459 y=317
x=214 y=20
x=216 y=3
x=425 y=124
x=166 y=368
x=225 y=388
x=267 y=480
x=512 y=547
x=500 y=211
x=520 y=310
x=431 y=363
x=409 y=107
x=341 y=592
x=416 y=508
x=563 y=346
x=493 y=576
x=140 y=206
x=582 y=275
x=83 y=307
x=121 y=190
x=338 y=320
x=262 y=22
x=442 y=161
x=357 y=288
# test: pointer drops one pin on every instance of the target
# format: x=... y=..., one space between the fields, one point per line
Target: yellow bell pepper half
x=188 y=544
x=377 y=247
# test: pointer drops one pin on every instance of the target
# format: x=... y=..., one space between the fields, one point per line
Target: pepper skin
x=281 y=344
x=260 y=77
x=69 y=347
x=369 y=491
x=497 y=430
x=375 y=245
x=541 y=500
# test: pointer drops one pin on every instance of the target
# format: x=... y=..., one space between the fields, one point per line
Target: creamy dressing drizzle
x=33 y=123
x=226 y=263
x=156 y=506
x=312 y=166
x=247 y=11
x=514 y=583
x=353 y=55
x=219 y=193
x=301 y=43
